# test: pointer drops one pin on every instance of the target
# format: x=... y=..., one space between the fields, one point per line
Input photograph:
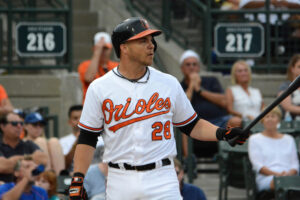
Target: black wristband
x=220 y=133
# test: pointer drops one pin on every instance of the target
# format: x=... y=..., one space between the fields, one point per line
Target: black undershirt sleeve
x=88 y=137
x=187 y=129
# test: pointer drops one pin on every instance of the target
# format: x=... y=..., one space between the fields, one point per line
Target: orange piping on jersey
x=87 y=127
x=131 y=121
x=186 y=121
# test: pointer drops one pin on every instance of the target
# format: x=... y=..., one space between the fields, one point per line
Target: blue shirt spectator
x=35 y=193
x=191 y=192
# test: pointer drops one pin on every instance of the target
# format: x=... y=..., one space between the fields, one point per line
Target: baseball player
x=135 y=108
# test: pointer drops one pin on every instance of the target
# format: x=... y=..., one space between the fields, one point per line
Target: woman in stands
x=291 y=104
x=34 y=128
x=272 y=153
x=243 y=101
x=47 y=180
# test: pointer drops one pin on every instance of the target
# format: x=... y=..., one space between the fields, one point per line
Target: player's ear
x=123 y=49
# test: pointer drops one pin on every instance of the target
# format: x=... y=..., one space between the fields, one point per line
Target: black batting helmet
x=131 y=29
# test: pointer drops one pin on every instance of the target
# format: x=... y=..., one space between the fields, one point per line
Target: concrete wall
x=58 y=92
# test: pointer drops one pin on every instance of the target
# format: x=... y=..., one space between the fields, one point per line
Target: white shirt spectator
x=278 y=155
x=68 y=141
x=247 y=104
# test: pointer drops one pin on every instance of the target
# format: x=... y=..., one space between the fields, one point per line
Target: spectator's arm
x=253 y=5
x=16 y=192
x=7 y=165
x=215 y=98
x=229 y=100
x=266 y=171
x=288 y=106
x=92 y=70
x=40 y=157
x=69 y=157
x=6 y=106
x=287 y=4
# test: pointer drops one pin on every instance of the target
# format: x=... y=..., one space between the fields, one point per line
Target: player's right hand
x=76 y=189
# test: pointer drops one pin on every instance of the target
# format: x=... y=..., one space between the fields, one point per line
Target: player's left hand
x=231 y=133
x=76 y=189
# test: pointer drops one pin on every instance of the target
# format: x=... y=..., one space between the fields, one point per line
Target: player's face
x=296 y=69
x=105 y=55
x=141 y=50
x=242 y=74
x=270 y=121
x=190 y=65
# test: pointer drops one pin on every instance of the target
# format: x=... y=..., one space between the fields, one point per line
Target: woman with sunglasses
x=34 y=131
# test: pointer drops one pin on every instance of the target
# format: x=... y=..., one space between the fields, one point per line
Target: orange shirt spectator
x=5 y=105
x=100 y=62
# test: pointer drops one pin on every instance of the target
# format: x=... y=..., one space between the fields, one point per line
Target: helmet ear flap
x=155 y=44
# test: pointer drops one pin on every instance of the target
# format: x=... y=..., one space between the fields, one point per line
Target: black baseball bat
x=292 y=87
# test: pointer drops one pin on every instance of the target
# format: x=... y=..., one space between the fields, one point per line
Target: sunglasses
x=16 y=123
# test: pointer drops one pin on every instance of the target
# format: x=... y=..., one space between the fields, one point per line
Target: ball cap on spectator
x=34 y=117
x=106 y=37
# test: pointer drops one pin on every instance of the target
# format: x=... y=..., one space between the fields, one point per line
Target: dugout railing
x=35 y=50
x=280 y=39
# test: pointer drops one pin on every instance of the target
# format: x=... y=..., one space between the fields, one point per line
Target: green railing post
x=190 y=161
x=69 y=22
x=9 y=37
x=267 y=35
x=208 y=30
x=166 y=18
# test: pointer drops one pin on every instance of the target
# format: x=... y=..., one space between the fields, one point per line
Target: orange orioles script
x=153 y=107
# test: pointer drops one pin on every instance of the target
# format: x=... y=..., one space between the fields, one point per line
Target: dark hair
x=74 y=108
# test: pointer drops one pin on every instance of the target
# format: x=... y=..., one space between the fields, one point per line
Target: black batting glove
x=76 y=189
x=232 y=135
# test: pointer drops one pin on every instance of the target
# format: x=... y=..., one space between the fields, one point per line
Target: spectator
x=12 y=148
x=291 y=104
x=34 y=127
x=272 y=153
x=47 y=180
x=23 y=188
x=274 y=5
x=95 y=179
x=5 y=105
x=68 y=142
x=188 y=191
x=206 y=96
x=100 y=62
x=243 y=101
x=230 y=5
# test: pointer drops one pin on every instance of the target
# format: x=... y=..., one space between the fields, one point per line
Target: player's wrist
x=220 y=133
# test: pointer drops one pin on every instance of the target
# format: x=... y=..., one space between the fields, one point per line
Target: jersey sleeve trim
x=186 y=121
x=89 y=128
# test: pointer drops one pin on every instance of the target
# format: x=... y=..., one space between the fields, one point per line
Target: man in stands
x=100 y=62
x=207 y=98
x=23 y=187
x=12 y=148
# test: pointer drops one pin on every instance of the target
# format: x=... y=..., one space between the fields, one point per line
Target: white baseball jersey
x=136 y=118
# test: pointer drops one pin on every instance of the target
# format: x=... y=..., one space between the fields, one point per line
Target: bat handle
x=232 y=141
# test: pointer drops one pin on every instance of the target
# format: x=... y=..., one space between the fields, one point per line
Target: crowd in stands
x=24 y=147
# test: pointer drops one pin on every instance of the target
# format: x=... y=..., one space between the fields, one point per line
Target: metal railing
x=272 y=60
x=279 y=46
x=13 y=12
